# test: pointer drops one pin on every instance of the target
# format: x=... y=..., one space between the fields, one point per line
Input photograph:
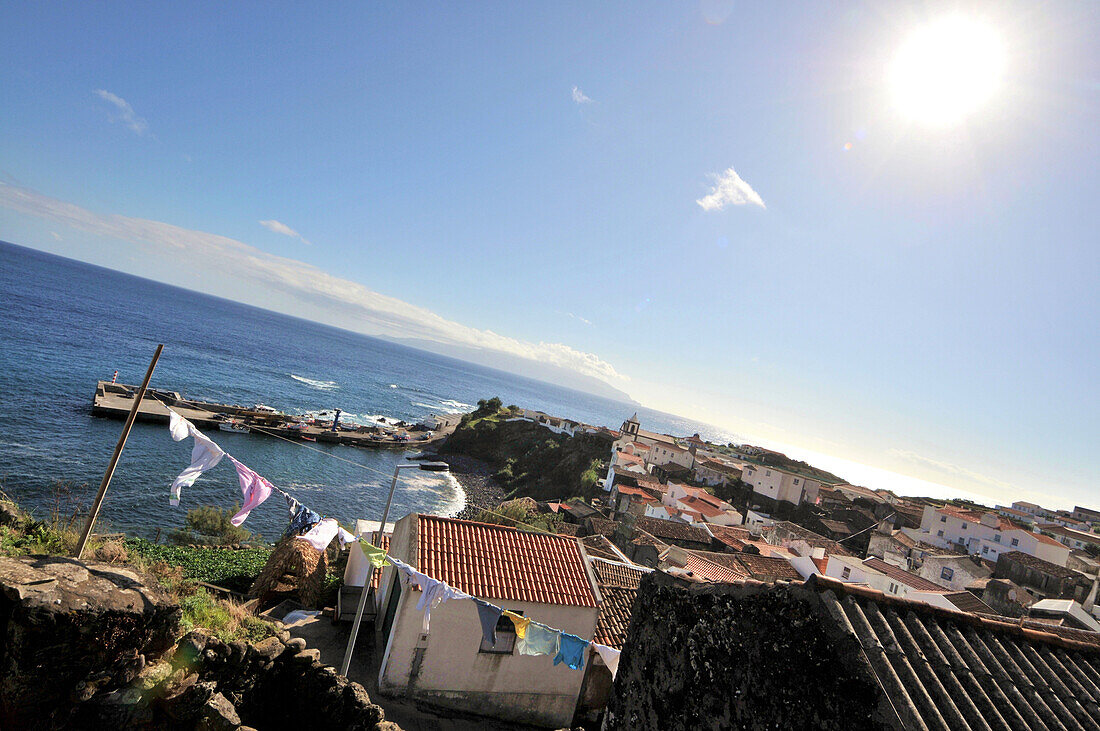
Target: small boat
x=306 y=438
x=235 y=427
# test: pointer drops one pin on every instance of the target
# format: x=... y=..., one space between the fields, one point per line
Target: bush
x=210 y=525
x=226 y=620
x=234 y=569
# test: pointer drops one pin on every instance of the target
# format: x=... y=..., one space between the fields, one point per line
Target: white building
x=953 y=571
x=779 y=484
x=986 y=534
x=877 y=574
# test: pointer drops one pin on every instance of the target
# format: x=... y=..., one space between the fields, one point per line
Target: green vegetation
x=516 y=515
x=225 y=620
x=233 y=569
x=210 y=526
x=529 y=459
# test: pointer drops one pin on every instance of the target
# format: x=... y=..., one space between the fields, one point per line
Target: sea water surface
x=65 y=324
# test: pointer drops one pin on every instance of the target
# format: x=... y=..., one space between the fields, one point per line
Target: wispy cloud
x=281 y=228
x=950 y=469
x=729 y=190
x=374 y=313
x=578 y=317
x=56 y=236
x=579 y=96
x=123 y=112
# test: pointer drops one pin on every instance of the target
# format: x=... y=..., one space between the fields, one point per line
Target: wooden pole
x=118 y=452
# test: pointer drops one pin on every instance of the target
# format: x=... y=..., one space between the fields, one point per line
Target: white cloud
x=56 y=235
x=729 y=189
x=578 y=317
x=381 y=314
x=948 y=468
x=281 y=228
x=579 y=96
x=125 y=113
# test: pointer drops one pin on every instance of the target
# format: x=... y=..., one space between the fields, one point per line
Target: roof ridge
x=495 y=525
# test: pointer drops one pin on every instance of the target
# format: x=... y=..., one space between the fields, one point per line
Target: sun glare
x=947 y=70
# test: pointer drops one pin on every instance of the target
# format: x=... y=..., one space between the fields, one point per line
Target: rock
x=307 y=657
x=237 y=651
x=268 y=650
x=63 y=621
x=283 y=636
x=153 y=675
x=189 y=705
x=296 y=645
x=190 y=648
x=218 y=714
x=11 y=514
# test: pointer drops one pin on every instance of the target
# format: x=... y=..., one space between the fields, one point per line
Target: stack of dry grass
x=295 y=570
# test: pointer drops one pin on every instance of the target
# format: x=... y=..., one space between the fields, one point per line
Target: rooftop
x=667 y=529
x=599 y=547
x=1038 y=564
x=497 y=562
x=902 y=576
x=1069 y=533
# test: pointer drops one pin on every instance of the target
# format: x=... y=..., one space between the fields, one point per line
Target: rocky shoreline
x=476 y=478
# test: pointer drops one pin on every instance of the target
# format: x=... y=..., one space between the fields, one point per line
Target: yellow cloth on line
x=520 y=623
x=375 y=555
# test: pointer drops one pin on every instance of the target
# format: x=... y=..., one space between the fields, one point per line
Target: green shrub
x=210 y=525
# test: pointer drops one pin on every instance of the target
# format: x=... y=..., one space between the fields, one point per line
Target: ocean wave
x=319 y=385
x=447 y=406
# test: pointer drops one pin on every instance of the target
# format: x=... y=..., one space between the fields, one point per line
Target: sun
x=947 y=70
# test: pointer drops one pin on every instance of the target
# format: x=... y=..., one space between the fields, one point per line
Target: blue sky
x=534 y=181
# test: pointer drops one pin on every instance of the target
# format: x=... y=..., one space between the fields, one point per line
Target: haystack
x=295 y=570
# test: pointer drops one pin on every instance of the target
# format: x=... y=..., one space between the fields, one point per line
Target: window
x=939 y=533
x=960 y=540
x=985 y=549
x=1015 y=541
x=796 y=480
x=768 y=473
x=996 y=537
x=846 y=573
x=964 y=526
x=947 y=574
x=893 y=588
x=943 y=518
x=506 y=637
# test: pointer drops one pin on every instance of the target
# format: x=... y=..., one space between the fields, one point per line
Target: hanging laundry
x=292 y=505
x=489 y=615
x=303 y=520
x=571 y=651
x=204 y=455
x=320 y=535
x=345 y=537
x=374 y=554
x=610 y=657
x=433 y=591
x=520 y=622
x=539 y=640
x=254 y=488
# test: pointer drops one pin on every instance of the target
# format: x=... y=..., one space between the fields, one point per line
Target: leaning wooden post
x=118 y=452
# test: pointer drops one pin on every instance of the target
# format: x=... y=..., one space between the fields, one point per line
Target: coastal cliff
x=530 y=460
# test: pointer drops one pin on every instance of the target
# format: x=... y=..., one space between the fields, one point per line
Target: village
x=706 y=515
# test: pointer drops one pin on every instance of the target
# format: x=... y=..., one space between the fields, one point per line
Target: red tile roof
x=496 y=562
x=699 y=505
x=712 y=571
x=376 y=575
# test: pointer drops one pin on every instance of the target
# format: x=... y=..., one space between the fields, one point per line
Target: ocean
x=65 y=324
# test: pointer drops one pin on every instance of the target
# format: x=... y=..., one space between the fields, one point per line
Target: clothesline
x=349 y=461
x=533 y=638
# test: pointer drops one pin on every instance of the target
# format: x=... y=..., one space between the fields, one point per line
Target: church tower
x=631 y=426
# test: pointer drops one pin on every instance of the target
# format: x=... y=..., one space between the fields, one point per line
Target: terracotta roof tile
x=376 y=575
x=496 y=562
x=712 y=571
x=614 y=617
x=899 y=574
x=767 y=568
x=616 y=573
x=602 y=526
x=598 y=546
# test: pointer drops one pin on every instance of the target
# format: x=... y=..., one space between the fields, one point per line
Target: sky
x=743 y=213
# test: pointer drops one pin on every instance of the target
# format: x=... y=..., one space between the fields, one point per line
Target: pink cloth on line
x=320 y=535
x=254 y=488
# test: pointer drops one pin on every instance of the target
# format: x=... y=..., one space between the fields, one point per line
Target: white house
x=538 y=575
x=953 y=571
x=779 y=484
x=1075 y=539
x=877 y=574
x=986 y=534
x=626 y=461
x=714 y=472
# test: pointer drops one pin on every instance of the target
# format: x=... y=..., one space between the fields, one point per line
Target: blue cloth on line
x=571 y=651
x=539 y=640
x=303 y=521
x=489 y=615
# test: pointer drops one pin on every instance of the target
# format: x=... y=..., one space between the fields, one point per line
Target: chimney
x=1090 y=600
x=817 y=553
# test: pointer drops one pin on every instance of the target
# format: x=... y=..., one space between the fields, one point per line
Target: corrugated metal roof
x=496 y=562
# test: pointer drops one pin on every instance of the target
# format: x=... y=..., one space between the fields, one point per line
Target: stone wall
x=92 y=645
x=701 y=656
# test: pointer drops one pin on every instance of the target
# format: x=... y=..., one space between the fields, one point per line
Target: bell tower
x=631 y=426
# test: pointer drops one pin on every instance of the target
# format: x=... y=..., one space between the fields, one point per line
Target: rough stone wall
x=69 y=628
x=723 y=657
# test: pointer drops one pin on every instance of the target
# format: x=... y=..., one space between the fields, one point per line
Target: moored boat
x=235 y=427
